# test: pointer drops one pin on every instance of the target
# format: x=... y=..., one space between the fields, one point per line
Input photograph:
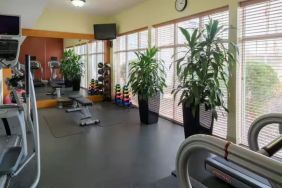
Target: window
x=261 y=67
x=91 y=53
x=124 y=51
x=82 y=50
x=95 y=56
x=170 y=41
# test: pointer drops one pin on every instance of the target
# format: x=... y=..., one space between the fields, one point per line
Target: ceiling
x=95 y=7
x=23 y=8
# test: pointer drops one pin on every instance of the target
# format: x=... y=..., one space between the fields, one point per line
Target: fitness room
x=140 y=93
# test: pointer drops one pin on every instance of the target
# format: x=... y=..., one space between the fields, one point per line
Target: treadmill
x=219 y=171
x=35 y=66
x=244 y=165
x=234 y=174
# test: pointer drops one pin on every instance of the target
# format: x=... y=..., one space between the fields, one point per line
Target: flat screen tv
x=105 y=31
x=9 y=25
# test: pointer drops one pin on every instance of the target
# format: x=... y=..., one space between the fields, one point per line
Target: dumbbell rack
x=107 y=82
x=104 y=80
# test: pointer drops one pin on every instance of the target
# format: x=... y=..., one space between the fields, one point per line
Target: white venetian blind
x=261 y=51
x=170 y=41
x=165 y=36
x=82 y=50
x=125 y=47
x=95 y=56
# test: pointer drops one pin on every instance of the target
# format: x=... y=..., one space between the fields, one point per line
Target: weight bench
x=56 y=89
x=81 y=104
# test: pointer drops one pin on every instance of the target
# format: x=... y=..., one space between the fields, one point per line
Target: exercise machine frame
x=27 y=113
x=251 y=160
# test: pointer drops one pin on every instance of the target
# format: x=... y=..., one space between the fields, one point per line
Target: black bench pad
x=73 y=97
x=54 y=85
x=59 y=82
x=83 y=101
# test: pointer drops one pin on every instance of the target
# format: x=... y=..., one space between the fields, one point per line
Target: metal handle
x=258 y=125
x=27 y=69
x=273 y=147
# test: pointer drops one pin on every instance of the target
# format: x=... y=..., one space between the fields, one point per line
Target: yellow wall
x=147 y=13
x=152 y=12
x=68 y=21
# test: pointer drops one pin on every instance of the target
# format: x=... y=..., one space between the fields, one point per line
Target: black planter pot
x=201 y=123
x=68 y=83
x=149 y=109
x=76 y=84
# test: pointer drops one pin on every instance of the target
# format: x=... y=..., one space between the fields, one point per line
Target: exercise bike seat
x=84 y=101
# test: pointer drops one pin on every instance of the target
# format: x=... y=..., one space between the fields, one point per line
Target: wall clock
x=180 y=5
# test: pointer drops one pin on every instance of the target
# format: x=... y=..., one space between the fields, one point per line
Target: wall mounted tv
x=10 y=25
x=105 y=31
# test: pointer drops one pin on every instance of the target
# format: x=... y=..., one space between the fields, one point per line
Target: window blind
x=82 y=50
x=124 y=52
x=261 y=51
x=91 y=54
x=170 y=41
x=95 y=56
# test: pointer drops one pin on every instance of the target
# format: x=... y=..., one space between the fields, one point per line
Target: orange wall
x=7 y=73
x=43 y=49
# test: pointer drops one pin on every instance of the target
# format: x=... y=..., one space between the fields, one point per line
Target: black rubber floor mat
x=62 y=124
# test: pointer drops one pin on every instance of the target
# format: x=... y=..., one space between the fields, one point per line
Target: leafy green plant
x=204 y=68
x=147 y=74
x=72 y=66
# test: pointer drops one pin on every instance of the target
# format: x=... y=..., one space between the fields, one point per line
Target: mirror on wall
x=46 y=54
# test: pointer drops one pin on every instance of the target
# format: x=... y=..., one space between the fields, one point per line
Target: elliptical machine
x=14 y=153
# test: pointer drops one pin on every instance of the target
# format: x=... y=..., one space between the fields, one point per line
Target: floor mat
x=62 y=124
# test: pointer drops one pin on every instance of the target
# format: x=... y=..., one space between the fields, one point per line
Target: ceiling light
x=78 y=3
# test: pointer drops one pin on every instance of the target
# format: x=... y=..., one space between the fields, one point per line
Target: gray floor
x=121 y=154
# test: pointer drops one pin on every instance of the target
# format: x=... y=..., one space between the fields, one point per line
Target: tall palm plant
x=147 y=74
x=147 y=79
x=72 y=68
x=203 y=69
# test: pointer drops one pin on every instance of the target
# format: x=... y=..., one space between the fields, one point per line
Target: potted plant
x=201 y=72
x=147 y=80
x=72 y=69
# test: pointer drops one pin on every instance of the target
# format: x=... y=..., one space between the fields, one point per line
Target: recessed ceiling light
x=78 y=3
